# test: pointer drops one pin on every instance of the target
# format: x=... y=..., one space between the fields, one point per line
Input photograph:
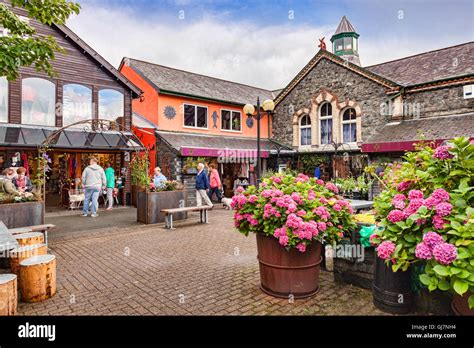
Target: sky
x=265 y=43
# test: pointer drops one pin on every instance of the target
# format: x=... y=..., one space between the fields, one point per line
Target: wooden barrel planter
x=286 y=273
x=25 y=252
x=38 y=278
x=8 y=294
x=16 y=215
x=460 y=305
x=392 y=291
x=31 y=238
x=150 y=204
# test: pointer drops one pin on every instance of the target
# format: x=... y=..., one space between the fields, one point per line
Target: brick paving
x=193 y=270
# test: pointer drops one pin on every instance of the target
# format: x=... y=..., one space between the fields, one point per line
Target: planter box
x=150 y=204
x=134 y=193
x=16 y=215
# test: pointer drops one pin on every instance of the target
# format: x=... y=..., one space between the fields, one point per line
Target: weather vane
x=322 y=44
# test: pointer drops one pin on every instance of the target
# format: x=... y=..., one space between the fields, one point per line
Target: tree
x=22 y=46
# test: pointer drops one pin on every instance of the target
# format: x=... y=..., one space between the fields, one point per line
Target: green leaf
x=460 y=287
x=471 y=301
x=444 y=285
x=432 y=287
x=441 y=270
x=425 y=279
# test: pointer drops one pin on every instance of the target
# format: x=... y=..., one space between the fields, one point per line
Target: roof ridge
x=197 y=74
x=419 y=54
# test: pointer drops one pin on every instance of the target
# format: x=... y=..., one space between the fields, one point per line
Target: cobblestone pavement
x=193 y=270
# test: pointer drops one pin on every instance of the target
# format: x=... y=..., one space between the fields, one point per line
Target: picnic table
x=359 y=205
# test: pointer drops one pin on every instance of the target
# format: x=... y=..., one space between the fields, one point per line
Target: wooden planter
x=460 y=305
x=286 y=273
x=16 y=215
x=150 y=204
x=134 y=193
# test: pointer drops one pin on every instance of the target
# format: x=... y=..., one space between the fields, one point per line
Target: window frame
x=98 y=102
x=55 y=85
x=325 y=118
x=349 y=122
x=7 y=105
x=308 y=126
x=195 y=116
x=231 y=121
x=91 y=88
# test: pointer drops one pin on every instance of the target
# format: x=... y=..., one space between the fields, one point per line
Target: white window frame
x=195 y=116
x=231 y=119
x=21 y=100
x=305 y=127
x=324 y=118
x=354 y=121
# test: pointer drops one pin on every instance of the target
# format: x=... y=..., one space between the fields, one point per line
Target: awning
x=402 y=136
x=197 y=145
x=71 y=138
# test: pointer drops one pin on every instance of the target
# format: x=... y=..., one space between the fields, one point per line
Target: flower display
x=294 y=210
x=445 y=253
x=423 y=252
x=385 y=250
x=442 y=153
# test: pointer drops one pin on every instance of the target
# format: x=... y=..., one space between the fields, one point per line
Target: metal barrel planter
x=392 y=291
x=288 y=273
x=460 y=305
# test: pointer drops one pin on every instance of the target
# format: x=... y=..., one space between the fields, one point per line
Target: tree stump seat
x=8 y=294
x=38 y=278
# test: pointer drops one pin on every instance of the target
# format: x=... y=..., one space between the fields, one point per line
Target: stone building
x=336 y=108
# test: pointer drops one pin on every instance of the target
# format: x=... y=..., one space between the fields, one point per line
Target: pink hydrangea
x=294 y=221
x=330 y=186
x=440 y=195
x=301 y=212
x=413 y=206
x=253 y=198
x=373 y=238
x=432 y=239
x=395 y=216
x=431 y=202
x=291 y=208
x=445 y=253
x=423 y=252
x=240 y=189
x=296 y=197
x=385 y=250
x=439 y=222
x=276 y=179
x=311 y=195
x=320 y=182
x=404 y=185
x=301 y=247
x=302 y=178
x=399 y=203
x=283 y=240
x=443 y=209
x=322 y=226
x=279 y=232
x=415 y=194
x=442 y=153
x=337 y=207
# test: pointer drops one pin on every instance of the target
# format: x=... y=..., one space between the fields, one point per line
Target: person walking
x=214 y=183
x=159 y=179
x=202 y=185
x=110 y=178
x=93 y=180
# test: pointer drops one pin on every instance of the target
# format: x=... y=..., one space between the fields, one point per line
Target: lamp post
x=267 y=106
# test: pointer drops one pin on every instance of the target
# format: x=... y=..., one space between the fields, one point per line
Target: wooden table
x=358 y=205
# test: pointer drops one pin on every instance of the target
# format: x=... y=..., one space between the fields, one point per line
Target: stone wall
x=169 y=160
x=340 y=82
x=189 y=181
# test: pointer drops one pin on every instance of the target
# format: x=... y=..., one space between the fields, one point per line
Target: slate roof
x=435 y=128
x=449 y=62
x=178 y=81
x=344 y=26
x=178 y=140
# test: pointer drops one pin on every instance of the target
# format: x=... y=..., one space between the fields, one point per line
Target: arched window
x=77 y=103
x=349 y=126
x=325 y=117
x=111 y=104
x=305 y=131
x=38 y=100
x=3 y=99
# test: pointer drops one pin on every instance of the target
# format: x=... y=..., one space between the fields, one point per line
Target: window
x=195 y=116
x=231 y=120
x=111 y=104
x=38 y=99
x=3 y=99
x=77 y=103
x=325 y=117
x=339 y=45
x=305 y=131
x=349 y=126
x=348 y=43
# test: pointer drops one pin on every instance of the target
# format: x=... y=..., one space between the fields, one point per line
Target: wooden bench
x=6 y=233
x=169 y=214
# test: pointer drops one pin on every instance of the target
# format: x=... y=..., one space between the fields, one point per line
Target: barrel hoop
x=290 y=268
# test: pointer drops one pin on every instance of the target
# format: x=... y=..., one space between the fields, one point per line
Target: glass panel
x=112 y=139
x=201 y=117
x=354 y=133
x=3 y=99
x=225 y=115
x=34 y=136
x=77 y=138
x=326 y=131
x=99 y=141
x=339 y=44
x=305 y=136
x=13 y=136
x=349 y=133
x=236 y=120
x=77 y=103
x=111 y=104
x=349 y=115
x=189 y=115
x=326 y=110
x=306 y=121
x=38 y=99
x=347 y=43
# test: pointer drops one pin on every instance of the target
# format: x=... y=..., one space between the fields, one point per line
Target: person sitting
x=159 y=179
x=8 y=190
x=22 y=182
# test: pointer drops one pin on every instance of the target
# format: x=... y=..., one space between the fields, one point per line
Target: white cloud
x=267 y=57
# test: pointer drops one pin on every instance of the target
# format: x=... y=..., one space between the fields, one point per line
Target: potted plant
x=151 y=202
x=427 y=215
x=291 y=217
x=139 y=174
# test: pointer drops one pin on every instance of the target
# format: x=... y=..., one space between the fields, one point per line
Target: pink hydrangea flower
x=372 y=239
x=302 y=178
x=431 y=202
x=398 y=203
x=279 y=232
x=445 y=253
x=441 y=195
x=443 y=209
x=413 y=206
x=385 y=250
x=415 y=194
x=301 y=247
x=253 y=198
x=423 y=252
x=337 y=207
x=283 y=240
x=320 y=182
x=322 y=226
x=432 y=239
x=330 y=186
x=442 y=153
x=277 y=179
x=404 y=185
x=439 y=222
x=395 y=216
x=301 y=213
x=240 y=189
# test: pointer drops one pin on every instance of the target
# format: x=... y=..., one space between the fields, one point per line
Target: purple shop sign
x=204 y=152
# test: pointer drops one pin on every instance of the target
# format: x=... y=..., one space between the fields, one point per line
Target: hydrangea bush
x=295 y=210
x=427 y=214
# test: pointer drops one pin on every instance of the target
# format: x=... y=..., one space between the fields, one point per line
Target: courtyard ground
x=113 y=266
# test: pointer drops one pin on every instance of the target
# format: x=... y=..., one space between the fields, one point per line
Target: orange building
x=200 y=118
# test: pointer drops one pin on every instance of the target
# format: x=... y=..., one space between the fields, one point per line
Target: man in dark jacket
x=202 y=185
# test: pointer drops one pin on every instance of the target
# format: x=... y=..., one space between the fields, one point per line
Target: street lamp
x=267 y=106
